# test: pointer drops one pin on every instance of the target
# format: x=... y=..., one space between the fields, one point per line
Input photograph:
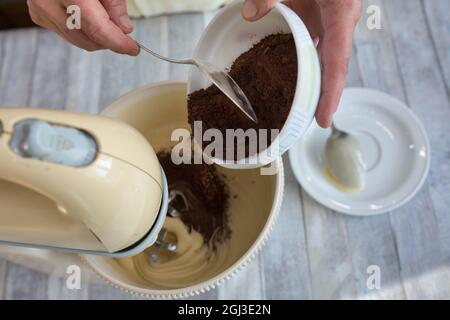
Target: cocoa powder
x=267 y=74
x=206 y=194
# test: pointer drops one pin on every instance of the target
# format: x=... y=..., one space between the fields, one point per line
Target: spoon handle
x=337 y=132
x=333 y=128
x=187 y=61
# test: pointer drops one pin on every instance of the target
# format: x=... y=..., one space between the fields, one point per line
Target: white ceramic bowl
x=229 y=35
x=155 y=110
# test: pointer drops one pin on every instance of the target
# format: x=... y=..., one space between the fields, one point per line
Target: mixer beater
x=162 y=243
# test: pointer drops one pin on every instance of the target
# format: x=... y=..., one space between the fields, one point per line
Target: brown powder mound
x=267 y=74
x=206 y=194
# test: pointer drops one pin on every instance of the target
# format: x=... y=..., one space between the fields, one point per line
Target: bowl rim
x=250 y=254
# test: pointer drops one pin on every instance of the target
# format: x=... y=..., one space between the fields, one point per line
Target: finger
x=336 y=49
x=37 y=9
x=309 y=12
x=35 y=17
x=117 y=10
x=316 y=41
x=100 y=29
x=256 y=9
x=54 y=19
x=76 y=37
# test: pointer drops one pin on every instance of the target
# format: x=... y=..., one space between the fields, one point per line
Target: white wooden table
x=313 y=252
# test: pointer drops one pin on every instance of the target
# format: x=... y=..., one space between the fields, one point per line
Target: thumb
x=256 y=9
x=117 y=10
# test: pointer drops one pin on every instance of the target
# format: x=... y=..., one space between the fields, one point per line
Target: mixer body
x=79 y=183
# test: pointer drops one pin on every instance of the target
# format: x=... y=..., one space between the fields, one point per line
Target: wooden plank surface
x=3 y=263
x=184 y=32
x=373 y=239
x=285 y=259
x=57 y=290
x=328 y=251
x=17 y=66
x=423 y=235
x=50 y=72
x=313 y=252
x=437 y=15
x=22 y=283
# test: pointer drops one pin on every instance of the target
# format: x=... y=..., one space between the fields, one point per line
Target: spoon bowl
x=345 y=166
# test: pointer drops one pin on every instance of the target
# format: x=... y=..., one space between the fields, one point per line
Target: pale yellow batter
x=248 y=215
x=192 y=260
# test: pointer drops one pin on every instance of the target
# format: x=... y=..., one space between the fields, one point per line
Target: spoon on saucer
x=345 y=166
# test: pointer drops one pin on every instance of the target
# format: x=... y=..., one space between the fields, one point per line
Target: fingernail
x=250 y=9
x=315 y=41
x=125 y=22
x=136 y=51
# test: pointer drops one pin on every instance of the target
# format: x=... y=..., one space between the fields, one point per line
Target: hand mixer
x=88 y=184
x=80 y=183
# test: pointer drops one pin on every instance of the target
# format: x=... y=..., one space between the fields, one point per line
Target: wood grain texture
x=85 y=77
x=285 y=259
x=332 y=269
x=424 y=235
x=25 y=284
x=3 y=263
x=247 y=284
x=154 y=33
x=117 y=77
x=373 y=239
x=17 y=66
x=379 y=62
x=184 y=32
x=57 y=289
x=437 y=15
x=50 y=73
x=330 y=262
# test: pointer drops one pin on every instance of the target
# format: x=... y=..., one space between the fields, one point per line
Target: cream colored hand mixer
x=80 y=183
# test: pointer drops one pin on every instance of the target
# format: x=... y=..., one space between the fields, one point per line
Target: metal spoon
x=220 y=78
x=344 y=159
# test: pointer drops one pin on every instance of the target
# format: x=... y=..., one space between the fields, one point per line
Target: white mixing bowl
x=156 y=110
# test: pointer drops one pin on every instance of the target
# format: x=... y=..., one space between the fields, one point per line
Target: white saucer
x=395 y=146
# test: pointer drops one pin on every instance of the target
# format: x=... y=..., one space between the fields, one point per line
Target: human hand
x=331 y=24
x=104 y=23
